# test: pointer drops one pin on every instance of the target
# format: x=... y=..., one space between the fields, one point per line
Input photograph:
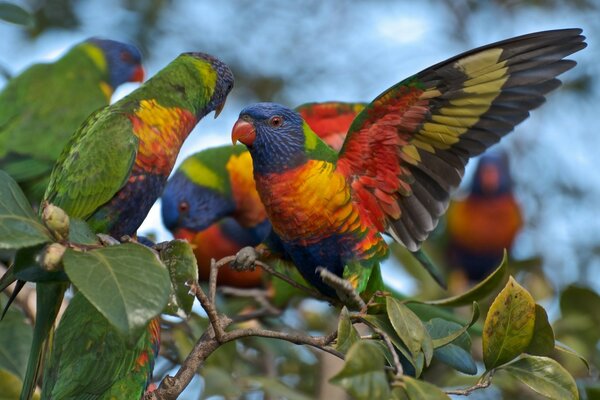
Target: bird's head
x=192 y=204
x=274 y=134
x=123 y=60
x=492 y=176
x=214 y=72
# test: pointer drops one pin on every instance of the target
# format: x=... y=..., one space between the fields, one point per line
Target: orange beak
x=244 y=132
x=137 y=75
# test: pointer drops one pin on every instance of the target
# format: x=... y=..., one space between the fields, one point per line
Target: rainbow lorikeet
x=42 y=107
x=403 y=155
x=482 y=225
x=116 y=165
x=211 y=200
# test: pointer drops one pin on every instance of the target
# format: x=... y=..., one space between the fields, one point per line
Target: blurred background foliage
x=314 y=50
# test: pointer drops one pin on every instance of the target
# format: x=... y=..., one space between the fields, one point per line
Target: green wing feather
x=94 y=165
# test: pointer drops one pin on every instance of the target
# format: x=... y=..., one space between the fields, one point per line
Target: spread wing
x=407 y=150
x=94 y=165
x=330 y=120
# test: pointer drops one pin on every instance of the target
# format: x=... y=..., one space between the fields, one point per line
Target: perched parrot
x=115 y=167
x=486 y=222
x=403 y=155
x=42 y=107
x=211 y=200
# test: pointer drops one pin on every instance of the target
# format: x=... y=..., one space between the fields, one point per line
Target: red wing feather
x=406 y=151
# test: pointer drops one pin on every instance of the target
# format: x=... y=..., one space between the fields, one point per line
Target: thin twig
x=343 y=288
x=398 y=370
x=484 y=382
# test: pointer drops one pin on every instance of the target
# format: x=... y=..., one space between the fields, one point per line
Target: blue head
x=124 y=61
x=274 y=135
x=492 y=176
x=192 y=206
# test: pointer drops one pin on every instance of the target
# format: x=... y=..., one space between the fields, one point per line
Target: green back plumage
x=42 y=107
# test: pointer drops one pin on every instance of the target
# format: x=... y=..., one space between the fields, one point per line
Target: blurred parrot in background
x=211 y=200
x=112 y=171
x=42 y=107
x=482 y=225
x=403 y=156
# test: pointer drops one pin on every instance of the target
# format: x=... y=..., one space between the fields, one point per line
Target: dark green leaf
x=12 y=13
x=179 y=258
x=480 y=291
x=347 y=334
x=580 y=300
x=407 y=325
x=19 y=226
x=383 y=323
x=451 y=335
x=542 y=341
x=80 y=232
x=420 y=390
x=457 y=353
x=126 y=283
x=508 y=327
x=545 y=376
x=15 y=341
x=566 y=349
x=363 y=375
x=457 y=358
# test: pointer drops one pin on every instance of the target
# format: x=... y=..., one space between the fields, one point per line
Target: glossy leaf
x=542 y=341
x=15 y=341
x=566 y=349
x=545 y=376
x=80 y=232
x=452 y=335
x=347 y=334
x=19 y=226
x=407 y=325
x=480 y=291
x=13 y=13
x=420 y=390
x=179 y=258
x=126 y=283
x=509 y=325
x=383 y=323
x=363 y=374
x=457 y=353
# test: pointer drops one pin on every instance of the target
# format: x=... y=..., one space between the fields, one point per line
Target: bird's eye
x=184 y=207
x=275 y=121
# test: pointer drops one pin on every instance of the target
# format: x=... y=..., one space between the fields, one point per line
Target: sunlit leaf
x=457 y=353
x=480 y=291
x=420 y=390
x=15 y=341
x=545 y=376
x=542 y=341
x=126 y=283
x=363 y=374
x=566 y=349
x=407 y=325
x=13 y=13
x=179 y=258
x=19 y=226
x=508 y=326
x=347 y=334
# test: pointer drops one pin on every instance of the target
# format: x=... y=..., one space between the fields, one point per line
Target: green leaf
x=347 y=334
x=457 y=353
x=450 y=336
x=218 y=382
x=407 y=325
x=179 y=258
x=566 y=349
x=383 y=323
x=19 y=226
x=479 y=291
x=420 y=390
x=277 y=390
x=580 y=300
x=545 y=376
x=363 y=374
x=509 y=324
x=12 y=13
x=80 y=232
x=15 y=341
x=542 y=341
x=126 y=283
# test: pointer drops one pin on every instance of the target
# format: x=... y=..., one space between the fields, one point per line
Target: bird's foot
x=343 y=288
x=245 y=259
x=107 y=240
